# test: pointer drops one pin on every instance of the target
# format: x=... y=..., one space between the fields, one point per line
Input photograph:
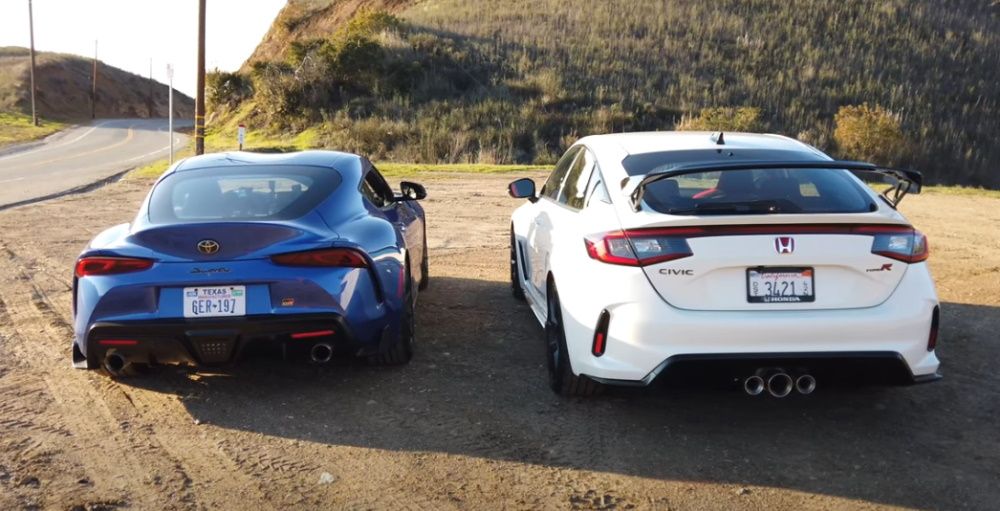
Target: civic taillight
x=900 y=243
x=331 y=257
x=100 y=265
x=638 y=248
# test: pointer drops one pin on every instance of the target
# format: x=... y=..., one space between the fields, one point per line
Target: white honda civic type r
x=754 y=259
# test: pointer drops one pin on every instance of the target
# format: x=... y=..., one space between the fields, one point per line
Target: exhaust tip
x=780 y=385
x=321 y=353
x=805 y=384
x=114 y=363
x=753 y=385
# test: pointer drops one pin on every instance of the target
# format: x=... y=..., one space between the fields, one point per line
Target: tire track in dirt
x=116 y=442
x=159 y=418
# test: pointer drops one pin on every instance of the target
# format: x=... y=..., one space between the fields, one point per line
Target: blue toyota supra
x=298 y=255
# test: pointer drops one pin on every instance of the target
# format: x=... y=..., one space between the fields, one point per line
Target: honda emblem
x=784 y=244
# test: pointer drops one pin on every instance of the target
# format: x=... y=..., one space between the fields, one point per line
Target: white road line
x=11 y=180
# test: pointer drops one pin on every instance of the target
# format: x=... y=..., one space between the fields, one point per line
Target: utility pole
x=93 y=90
x=149 y=100
x=199 y=105
x=31 y=33
x=170 y=110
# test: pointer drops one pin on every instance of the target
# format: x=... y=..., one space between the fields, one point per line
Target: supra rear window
x=272 y=192
x=759 y=191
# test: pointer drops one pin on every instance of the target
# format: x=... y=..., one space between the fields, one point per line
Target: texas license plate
x=208 y=302
x=780 y=285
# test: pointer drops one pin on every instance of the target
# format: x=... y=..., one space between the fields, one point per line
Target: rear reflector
x=310 y=335
x=99 y=265
x=329 y=257
x=935 y=322
x=601 y=334
x=117 y=342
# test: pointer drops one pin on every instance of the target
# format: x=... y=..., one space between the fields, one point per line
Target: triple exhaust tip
x=779 y=384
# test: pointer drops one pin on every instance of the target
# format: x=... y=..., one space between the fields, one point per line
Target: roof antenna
x=718 y=138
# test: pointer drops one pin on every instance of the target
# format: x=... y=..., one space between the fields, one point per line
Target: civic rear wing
x=907 y=181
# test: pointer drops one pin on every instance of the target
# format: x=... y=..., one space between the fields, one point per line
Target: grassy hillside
x=64 y=88
x=500 y=81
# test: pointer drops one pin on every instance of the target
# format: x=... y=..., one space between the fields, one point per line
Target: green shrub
x=226 y=90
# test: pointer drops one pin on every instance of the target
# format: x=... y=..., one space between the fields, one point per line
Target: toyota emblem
x=208 y=247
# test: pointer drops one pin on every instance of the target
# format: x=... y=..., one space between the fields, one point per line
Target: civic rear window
x=245 y=193
x=759 y=191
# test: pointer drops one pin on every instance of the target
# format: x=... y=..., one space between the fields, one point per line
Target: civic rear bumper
x=885 y=368
x=217 y=341
x=648 y=336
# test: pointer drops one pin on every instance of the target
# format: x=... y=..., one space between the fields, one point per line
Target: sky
x=131 y=32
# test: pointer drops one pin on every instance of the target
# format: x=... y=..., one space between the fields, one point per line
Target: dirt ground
x=470 y=422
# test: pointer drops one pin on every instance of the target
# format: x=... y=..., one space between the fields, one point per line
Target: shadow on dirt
x=477 y=387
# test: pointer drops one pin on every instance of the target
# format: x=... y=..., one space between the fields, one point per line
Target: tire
x=515 y=279
x=561 y=377
x=402 y=350
x=425 y=275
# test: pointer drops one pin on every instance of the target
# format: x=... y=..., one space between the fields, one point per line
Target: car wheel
x=515 y=279
x=402 y=351
x=561 y=377
x=425 y=275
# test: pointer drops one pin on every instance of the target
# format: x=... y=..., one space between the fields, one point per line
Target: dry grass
x=16 y=128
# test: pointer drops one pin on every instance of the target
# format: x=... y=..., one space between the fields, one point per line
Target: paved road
x=81 y=156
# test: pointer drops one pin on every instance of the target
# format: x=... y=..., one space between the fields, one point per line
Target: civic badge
x=784 y=244
x=208 y=247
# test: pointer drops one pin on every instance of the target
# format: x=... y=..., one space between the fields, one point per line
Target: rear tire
x=515 y=279
x=402 y=350
x=561 y=377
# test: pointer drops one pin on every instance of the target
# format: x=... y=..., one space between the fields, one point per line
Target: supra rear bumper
x=883 y=368
x=215 y=341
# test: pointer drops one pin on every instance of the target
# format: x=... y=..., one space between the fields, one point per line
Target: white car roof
x=656 y=141
x=611 y=149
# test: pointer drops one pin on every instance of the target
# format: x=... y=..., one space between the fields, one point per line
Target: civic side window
x=574 y=191
x=597 y=190
x=554 y=182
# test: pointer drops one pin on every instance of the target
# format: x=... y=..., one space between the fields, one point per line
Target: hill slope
x=64 y=86
x=516 y=80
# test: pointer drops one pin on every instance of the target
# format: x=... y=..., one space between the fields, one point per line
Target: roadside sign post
x=241 y=135
x=170 y=110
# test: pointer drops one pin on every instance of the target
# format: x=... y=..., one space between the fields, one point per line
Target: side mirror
x=523 y=188
x=412 y=191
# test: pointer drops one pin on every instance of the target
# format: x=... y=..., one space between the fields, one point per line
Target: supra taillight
x=904 y=244
x=100 y=265
x=637 y=248
x=329 y=257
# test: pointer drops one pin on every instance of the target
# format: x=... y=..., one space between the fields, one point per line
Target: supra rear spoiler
x=907 y=181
